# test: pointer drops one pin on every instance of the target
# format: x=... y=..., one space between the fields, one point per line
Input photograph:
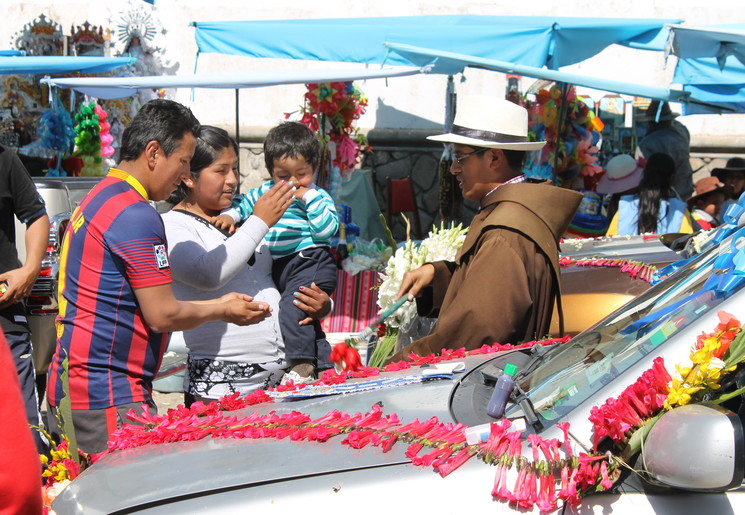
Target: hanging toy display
x=57 y=134
x=571 y=131
x=107 y=150
x=88 y=140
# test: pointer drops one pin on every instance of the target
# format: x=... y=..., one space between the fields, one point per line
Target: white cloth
x=206 y=265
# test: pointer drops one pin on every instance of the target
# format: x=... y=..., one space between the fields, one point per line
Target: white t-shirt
x=206 y=265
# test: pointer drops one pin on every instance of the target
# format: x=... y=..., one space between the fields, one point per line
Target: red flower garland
x=636 y=269
x=616 y=417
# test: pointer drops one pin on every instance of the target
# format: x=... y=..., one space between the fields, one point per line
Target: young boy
x=706 y=202
x=299 y=242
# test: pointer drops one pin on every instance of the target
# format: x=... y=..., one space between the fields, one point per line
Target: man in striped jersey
x=116 y=302
x=299 y=242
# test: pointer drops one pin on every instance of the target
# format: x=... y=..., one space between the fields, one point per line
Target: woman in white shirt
x=207 y=262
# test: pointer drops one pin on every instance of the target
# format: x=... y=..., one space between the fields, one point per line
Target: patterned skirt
x=214 y=378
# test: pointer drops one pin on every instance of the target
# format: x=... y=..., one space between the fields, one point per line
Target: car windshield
x=571 y=373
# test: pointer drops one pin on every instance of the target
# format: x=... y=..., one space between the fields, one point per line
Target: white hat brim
x=473 y=142
x=607 y=186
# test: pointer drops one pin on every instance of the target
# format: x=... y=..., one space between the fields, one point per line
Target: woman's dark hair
x=290 y=139
x=656 y=185
x=161 y=120
x=210 y=142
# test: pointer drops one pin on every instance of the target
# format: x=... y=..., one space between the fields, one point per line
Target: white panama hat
x=491 y=122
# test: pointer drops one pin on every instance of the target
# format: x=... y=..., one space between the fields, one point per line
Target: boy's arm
x=242 y=206
x=322 y=215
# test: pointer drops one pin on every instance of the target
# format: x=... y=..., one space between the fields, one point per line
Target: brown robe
x=502 y=285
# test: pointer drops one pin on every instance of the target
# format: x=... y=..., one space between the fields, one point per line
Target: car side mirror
x=697 y=447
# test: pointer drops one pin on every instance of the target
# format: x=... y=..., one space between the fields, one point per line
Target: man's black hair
x=290 y=139
x=515 y=159
x=161 y=120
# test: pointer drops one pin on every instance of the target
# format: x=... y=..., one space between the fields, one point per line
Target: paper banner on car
x=362 y=386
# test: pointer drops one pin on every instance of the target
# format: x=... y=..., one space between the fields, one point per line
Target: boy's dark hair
x=210 y=142
x=290 y=139
x=161 y=120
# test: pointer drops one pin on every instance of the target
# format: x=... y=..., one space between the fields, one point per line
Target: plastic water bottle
x=502 y=390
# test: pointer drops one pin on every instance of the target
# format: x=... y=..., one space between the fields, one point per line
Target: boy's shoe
x=296 y=378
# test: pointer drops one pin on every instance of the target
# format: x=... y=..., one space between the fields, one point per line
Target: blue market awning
x=530 y=40
x=706 y=81
x=58 y=64
x=719 y=42
x=119 y=87
x=711 y=65
x=658 y=93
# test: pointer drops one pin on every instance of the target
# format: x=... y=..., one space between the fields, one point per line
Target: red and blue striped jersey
x=115 y=244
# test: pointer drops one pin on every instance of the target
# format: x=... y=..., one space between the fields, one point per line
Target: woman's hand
x=415 y=281
x=314 y=301
x=272 y=205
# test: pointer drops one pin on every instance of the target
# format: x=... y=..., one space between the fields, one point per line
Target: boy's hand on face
x=224 y=222
x=300 y=191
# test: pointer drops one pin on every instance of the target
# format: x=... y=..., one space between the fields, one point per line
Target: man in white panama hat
x=504 y=280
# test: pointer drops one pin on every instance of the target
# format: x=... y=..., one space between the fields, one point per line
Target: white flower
x=440 y=245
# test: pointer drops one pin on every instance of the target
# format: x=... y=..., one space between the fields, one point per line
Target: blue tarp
x=719 y=41
x=58 y=64
x=529 y=40
x=119 y=87
x=452 y=58
x=710 y=65
x=705 y=80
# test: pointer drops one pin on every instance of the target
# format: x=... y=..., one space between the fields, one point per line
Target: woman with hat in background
x=622 y=176
x=706 y=203
x=655 y=208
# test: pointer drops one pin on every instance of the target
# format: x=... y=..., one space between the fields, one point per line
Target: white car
x=694 y=457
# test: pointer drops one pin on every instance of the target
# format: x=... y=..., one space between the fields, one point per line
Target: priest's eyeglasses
x=459 y=159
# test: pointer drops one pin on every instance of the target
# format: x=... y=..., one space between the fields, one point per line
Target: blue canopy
x=711 y=65
x=720 y=42
x=411 y=53
x=530 y=40
x=119 y=87
x=57 y=64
